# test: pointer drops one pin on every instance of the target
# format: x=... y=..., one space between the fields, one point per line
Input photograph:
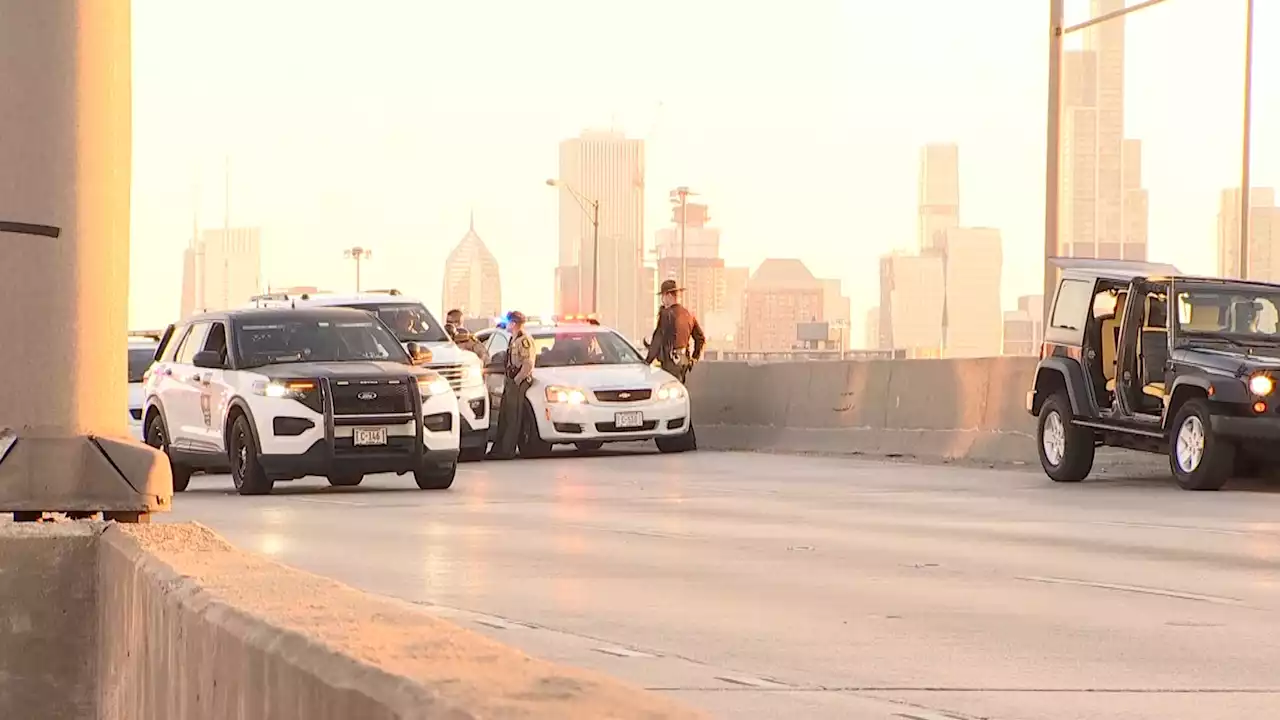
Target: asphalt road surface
x=768 y=586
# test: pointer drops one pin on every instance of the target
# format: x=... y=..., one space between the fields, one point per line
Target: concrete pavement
x=762 y=586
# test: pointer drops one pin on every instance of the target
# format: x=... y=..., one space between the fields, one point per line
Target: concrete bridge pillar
x=65 y=153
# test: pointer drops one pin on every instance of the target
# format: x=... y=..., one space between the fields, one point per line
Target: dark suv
x=1139 y=356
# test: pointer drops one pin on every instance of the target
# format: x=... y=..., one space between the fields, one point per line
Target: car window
x=193 y=343
x=176 y=340
x=286 y=341
x=498 y=342
x=562 y=348
x=411 y=322
x=140 y=358
x=216 y=340
x=1075 y=298
x=1241 y=312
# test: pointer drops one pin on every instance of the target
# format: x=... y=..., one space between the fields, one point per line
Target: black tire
x=157 y=436
x=531 y=443
x=435 y=477
x=1216 y=460
x=246 y=467
x=346 y=480
x=588 y=445
x=1071 y=460
x=472 y=454
x=687 y=442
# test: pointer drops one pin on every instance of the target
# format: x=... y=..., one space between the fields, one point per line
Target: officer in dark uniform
x=519 y=371
x=678 y=340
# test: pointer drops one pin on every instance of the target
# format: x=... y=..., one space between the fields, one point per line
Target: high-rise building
x=780 y=295
x=1024 y=327
x=939 y=193
x=836 y=312
x=726 y=324
x=871 y=329
x=912 y=299
x=472 y=283
x=1103 y=205
x=694 y=249
x=1263 y=257
x=607 y=168
x=972 y=320
x=222 y=270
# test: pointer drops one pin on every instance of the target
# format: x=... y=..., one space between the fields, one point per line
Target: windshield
x=583 y=347
x=269 y=343
x=411 y=322
x=140 y=357
x=1237 y=313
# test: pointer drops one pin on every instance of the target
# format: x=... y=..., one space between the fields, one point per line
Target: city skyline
x=472 y=278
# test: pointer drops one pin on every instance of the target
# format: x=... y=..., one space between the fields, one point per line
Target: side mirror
x=418 y=354
x=208 y=359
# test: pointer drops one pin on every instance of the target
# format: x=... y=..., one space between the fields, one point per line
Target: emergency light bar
x=576 y=319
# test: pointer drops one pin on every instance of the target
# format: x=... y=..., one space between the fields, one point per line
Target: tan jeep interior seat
x=1111 y=341
x=1153 y=345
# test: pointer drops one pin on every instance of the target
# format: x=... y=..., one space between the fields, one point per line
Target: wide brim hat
x=669 y=286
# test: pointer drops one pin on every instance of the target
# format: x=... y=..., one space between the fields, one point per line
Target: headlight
x=1261 y=385
x=672 y=391
x=473 y=374
x=433 y=384
x=567 y=395
x=293 y=389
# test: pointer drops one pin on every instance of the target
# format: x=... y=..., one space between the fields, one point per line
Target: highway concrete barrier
x=157 y=622
x=936 y=409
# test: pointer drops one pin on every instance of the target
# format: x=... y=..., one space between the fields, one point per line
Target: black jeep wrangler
x=1139 y=356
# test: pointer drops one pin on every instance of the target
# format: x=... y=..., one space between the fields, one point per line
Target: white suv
x=142 y=352
x=415 y=327
x=280 y=394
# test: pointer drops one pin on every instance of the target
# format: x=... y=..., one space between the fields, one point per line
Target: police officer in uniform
x=678 y=340
x=519 y=371
x=463 y=338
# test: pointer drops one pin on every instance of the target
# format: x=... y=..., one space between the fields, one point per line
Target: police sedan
x=591 y=387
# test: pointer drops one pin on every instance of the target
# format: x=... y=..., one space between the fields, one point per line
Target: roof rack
x=388 y=291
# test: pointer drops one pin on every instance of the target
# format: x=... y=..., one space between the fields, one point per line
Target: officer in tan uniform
x=678 y=340
x=463 y=338
x=519 y=370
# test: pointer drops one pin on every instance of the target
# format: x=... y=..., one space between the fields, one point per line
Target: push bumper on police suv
x=397 y=430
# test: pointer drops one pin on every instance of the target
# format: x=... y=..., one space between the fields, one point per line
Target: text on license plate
x=628 y=420
x=369 y=436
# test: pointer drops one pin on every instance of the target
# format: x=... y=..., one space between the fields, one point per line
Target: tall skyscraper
x=973 y=316
x=472 y=282
x=836 y=311
x=607 y=168
x=222 y=269
x=1024 y=327
x=1104 y=207
x=1264 y=235
x=780 y=295
x=939 y=193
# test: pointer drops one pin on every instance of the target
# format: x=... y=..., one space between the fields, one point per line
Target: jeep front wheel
x=1066 y=450
x=1199 y=459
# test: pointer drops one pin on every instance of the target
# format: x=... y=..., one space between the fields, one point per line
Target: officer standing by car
x=677 y=329
x=519 y=376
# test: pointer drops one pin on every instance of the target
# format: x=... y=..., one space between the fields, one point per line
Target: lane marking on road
x=1136 y=589
x=1153 y=526
x=623 y=652
x=326 y=501
x=500 y=624
x=750 y=681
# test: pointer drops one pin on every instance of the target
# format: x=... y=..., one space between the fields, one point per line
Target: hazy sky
x=385 y=123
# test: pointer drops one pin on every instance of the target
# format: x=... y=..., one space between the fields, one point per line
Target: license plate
x=628 y=420
x=361 y=437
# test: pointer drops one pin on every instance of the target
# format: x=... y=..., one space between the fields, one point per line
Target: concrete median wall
x=169 y=621
x=941 y=409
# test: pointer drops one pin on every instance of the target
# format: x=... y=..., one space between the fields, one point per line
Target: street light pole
x=358 y=254
x=594 y=216
x=1247 y=139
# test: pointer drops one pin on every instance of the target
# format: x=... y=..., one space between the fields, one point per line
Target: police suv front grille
x=370 y=397
x=452 y=373
x=623 y=396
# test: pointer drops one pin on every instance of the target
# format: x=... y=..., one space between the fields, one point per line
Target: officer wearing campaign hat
x=678 y=340
x=519 y=371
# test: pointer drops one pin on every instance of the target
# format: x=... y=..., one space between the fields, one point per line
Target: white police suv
x=280 y=394
x=142 y=352
x=591 y=387
x=415 y=327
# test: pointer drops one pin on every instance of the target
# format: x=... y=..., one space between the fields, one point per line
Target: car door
x=495 y=374
x=182 y=404
x=214 y=393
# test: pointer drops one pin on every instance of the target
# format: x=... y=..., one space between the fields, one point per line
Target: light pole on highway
x=359 y=254
x=680 y=199
x=1245 y=190
x=592 y=210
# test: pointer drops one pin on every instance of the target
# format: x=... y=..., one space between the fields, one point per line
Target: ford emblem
x=368 y=395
